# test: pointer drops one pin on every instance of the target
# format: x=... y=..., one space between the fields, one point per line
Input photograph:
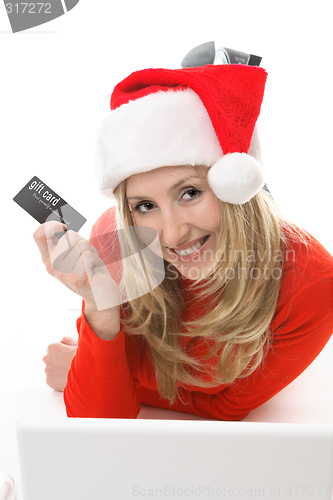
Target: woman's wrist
x=105 y=323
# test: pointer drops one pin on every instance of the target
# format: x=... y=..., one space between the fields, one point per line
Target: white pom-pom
x=236 y=178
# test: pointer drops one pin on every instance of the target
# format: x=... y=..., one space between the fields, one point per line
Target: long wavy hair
x=242 y=283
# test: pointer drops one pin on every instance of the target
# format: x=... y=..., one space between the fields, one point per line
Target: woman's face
x=182 y=208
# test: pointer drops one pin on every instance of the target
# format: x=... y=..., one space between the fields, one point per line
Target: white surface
x=55 y=88
x=119 y=458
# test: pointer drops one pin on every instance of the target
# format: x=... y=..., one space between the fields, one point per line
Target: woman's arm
x=105 y=324
x=99 y=382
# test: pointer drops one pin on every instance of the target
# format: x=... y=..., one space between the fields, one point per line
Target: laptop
x=124 y=459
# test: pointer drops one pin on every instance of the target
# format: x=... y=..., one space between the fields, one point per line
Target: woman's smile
x=191 y=248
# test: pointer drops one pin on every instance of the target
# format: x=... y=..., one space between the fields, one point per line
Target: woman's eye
x=147 y=206
x=143 y=207
x=192 y=193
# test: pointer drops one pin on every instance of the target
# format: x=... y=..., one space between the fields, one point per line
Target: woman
x=246 y=301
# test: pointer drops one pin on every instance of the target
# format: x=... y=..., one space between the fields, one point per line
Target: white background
x=56 y=82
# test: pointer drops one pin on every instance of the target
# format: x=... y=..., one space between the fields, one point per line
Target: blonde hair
x=243 y=283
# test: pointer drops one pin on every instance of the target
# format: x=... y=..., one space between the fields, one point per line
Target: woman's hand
x=58 y=360
x=76 y=263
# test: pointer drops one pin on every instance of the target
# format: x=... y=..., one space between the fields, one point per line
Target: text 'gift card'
x=44 y=205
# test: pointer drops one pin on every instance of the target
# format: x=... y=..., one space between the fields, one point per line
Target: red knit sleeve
x=100 y=383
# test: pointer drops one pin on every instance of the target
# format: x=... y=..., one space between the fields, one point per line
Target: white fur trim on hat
x=161 y=129
x=166 y=128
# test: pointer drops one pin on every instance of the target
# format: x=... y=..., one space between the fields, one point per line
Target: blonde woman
x=246 y=299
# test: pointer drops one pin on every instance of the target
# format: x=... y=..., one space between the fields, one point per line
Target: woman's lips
x=188 y=258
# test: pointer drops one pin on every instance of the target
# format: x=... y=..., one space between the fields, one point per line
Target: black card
x=44 y=205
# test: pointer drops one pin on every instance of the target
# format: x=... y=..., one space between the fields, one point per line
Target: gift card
x=44 y=204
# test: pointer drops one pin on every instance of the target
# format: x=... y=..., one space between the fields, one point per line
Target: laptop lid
x=104 y=459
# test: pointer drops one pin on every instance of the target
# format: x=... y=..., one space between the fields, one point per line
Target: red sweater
x=111 y=378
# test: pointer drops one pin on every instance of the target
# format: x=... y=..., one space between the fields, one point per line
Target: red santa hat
x=193 y=116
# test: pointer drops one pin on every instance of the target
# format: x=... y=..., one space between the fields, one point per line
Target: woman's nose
x=175 y=228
